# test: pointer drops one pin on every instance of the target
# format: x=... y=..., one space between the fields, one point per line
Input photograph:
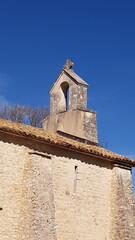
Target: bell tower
x=68 y=106
x=68 y=92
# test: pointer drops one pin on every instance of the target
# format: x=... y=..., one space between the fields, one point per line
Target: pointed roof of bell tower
x=67 y=70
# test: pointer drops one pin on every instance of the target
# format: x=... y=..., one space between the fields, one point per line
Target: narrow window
x=65 y=90
x=75 y=178
x=67 y=99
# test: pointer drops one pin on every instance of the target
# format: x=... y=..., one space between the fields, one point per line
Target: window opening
x=75 y=178
x=65 y=89
x=67 y=99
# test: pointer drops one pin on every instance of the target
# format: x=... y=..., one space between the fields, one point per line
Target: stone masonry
x=52 y=193
x=26 y=194
x=68 y=107
x=60 y=188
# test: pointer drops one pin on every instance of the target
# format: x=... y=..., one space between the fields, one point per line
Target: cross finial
x=68 y=64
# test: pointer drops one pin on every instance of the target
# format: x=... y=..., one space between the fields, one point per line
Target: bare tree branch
x=24 y=114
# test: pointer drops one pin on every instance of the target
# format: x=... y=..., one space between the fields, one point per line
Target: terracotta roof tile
x=56 y=139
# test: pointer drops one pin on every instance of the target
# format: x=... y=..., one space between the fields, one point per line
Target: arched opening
x=65 y=90
x=67 y=99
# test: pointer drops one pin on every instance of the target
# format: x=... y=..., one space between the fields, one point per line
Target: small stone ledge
x=76 y=138
x=121 y=166
x=39 y=154
x=83 y=110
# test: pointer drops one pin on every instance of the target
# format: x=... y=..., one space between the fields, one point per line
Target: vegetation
x=24 y=114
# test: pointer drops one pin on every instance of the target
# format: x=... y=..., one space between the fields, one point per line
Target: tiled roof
x=56 y=139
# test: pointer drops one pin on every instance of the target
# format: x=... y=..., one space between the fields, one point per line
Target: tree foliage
x=24 y=114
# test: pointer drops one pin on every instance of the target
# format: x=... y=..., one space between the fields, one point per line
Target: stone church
x=57 y=183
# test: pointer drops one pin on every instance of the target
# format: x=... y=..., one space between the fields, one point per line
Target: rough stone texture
x=37 y=198
x=68 y=64
x=123 y=205
x=50 y=193
x=78 y=97
x=73 y=119
x=75 y=122
x=77 y=94
x=26 y=195
x=82 y=200
x=90 y=126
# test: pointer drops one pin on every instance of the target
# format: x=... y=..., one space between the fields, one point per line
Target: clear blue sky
x=36 y=38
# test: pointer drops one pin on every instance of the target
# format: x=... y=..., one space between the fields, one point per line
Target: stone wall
x=75 y=122
x=82 y=193
x=123 y=204
x=50 y=193
x=77 y=95
x=26 y=194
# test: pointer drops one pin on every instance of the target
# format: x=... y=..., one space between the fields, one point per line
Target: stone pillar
x=123 y=204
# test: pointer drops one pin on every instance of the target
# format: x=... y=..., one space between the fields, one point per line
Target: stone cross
x=68 y=64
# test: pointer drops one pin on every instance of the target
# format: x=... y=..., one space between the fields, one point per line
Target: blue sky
x=36 y=38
